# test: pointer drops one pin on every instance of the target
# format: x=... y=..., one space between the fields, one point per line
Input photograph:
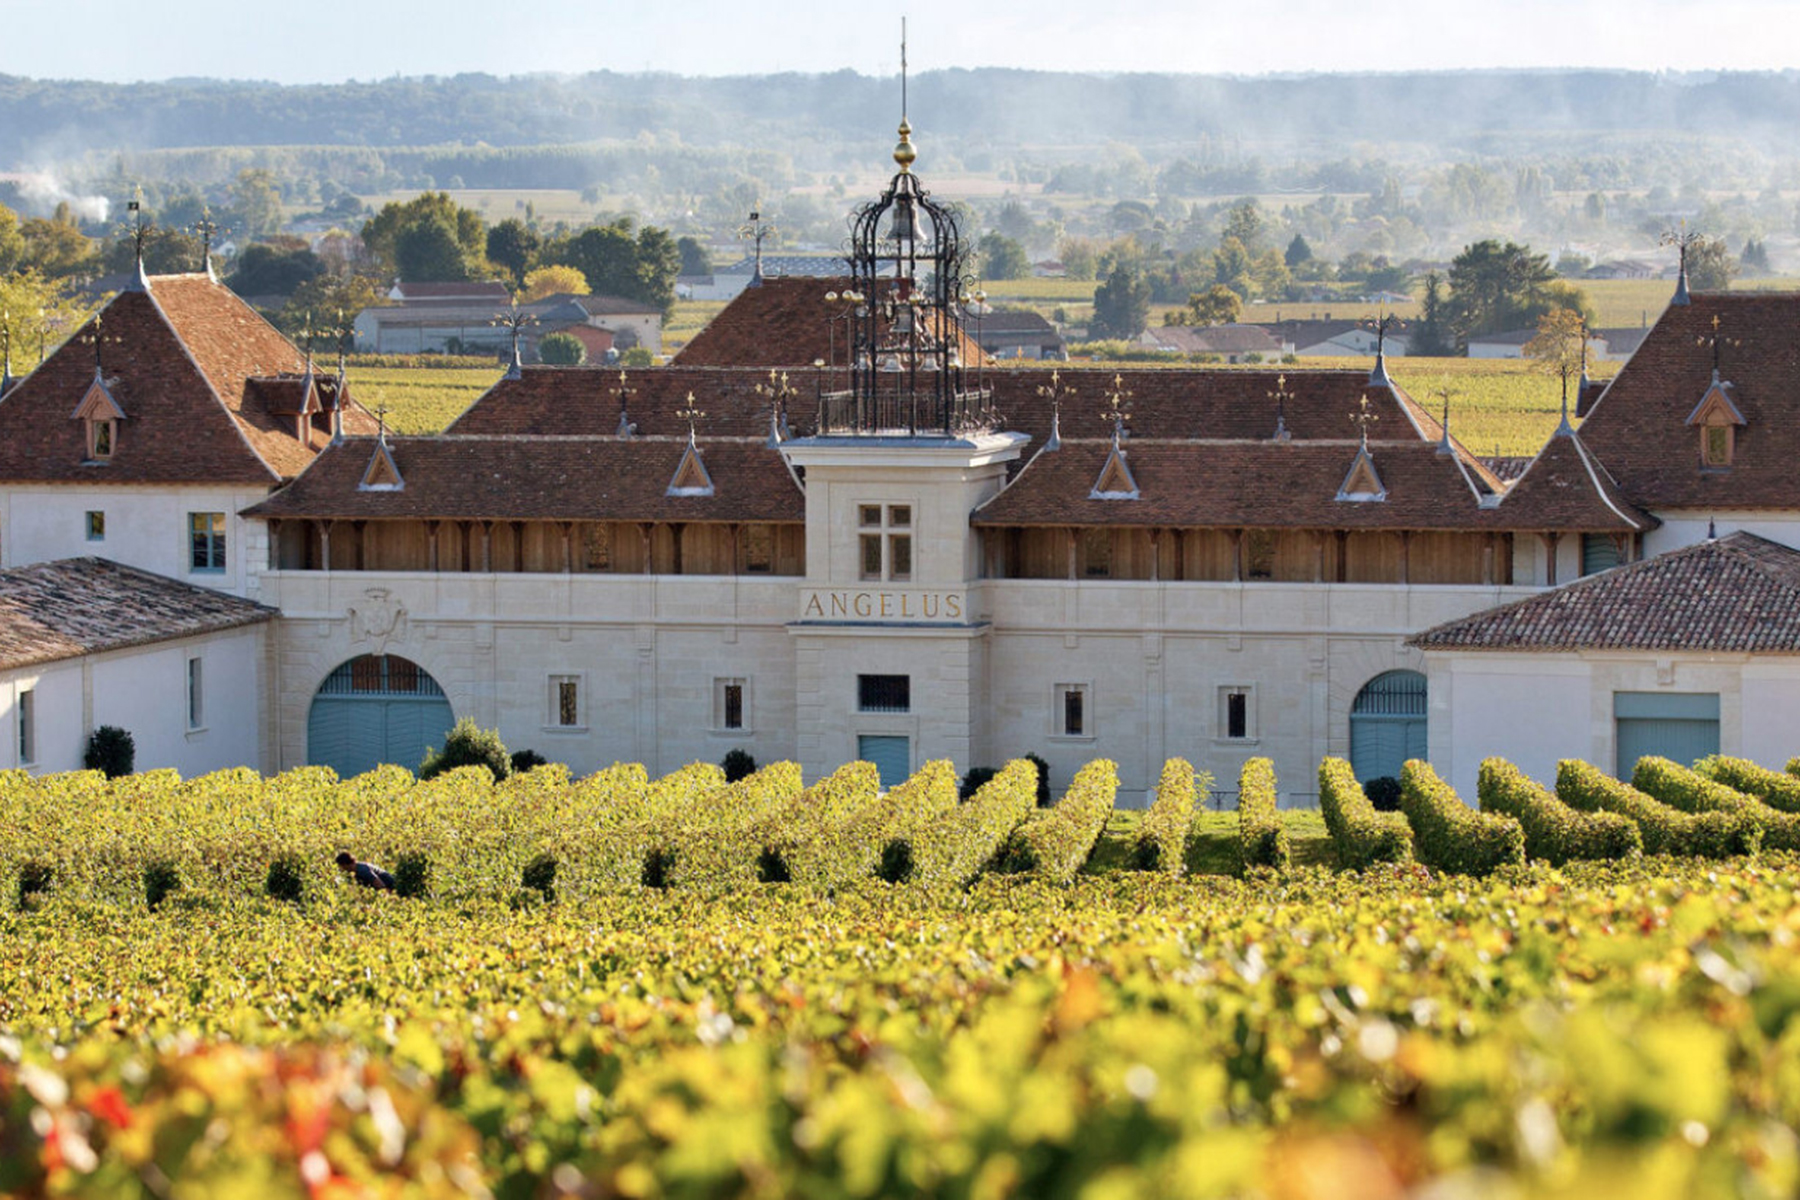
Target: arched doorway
x=1387 y=724
x=374 y=709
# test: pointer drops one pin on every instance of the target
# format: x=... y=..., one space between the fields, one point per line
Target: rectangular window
x=96 y=526
x=1072 y=710
x=206 y=541
x=196 y=709
x=871 y=556
x=884 y=693
x=100 y=438
x=900 y=516
x=27 y=726
x=899 y=556
x=1096 y=553
x=565 y=700
x=1237 y=710
x=885 y=548
x=731 y=704
x=1718 y=446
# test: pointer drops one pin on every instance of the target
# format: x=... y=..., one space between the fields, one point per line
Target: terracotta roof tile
x=584 y=402
x=1638 y=426
x=57 y=610
x=1565 y=487
x=543 y=478
x=1739 y=594
x=785 y=322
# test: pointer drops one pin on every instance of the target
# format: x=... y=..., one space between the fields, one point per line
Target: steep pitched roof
x=1566 y=487
x=178 y=361
x=1241 y=484
x=584 y=401
x=1739 y=594
x=57 y=610
x=1638 y=427
x=522 y=478
x=783 y=323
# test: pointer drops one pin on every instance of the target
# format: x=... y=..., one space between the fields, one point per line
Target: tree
x=1431 y=332
x=381 y=232
x=468 y=745
x=1121 y=305
x=552 y=281
x=256 y=202
x=1495 y=286
x=427 y=251
x=12 y=242
x=38 y=311
x=1245 y=223
x=617 y=263
x=166 y=252
x=1003 y=258
x=513 y=246
x=1298 y=253
x=1234 y=268
x=1218 y=305
x=318 y=302
x=111 y=751
x=1755 y=255
x=56 y=246
x=1710 y=266
x=694 y=258
x=1557 y=348
x=561 y=350
x=264 y=270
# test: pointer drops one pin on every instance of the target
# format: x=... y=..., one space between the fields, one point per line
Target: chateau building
x=832 y=529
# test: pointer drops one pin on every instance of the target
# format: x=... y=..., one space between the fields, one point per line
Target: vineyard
x=625 y=986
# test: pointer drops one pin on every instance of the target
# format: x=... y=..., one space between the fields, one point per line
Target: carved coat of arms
x=380 y=620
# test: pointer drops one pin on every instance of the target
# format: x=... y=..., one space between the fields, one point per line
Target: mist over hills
x=45 y=122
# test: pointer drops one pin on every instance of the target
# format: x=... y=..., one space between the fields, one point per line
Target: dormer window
x=1716 y=445
x=1717 y=417
x=100 y=434
x=99 y=415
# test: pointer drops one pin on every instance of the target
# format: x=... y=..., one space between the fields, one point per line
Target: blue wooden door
x=373 y=710
x=892 y=757
x=1387 y=724
x=1683 y=726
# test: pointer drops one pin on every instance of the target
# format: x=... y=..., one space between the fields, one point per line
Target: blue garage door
x=1387 y=724
x=1681 y=726
x=379 y=708
x=892 y=757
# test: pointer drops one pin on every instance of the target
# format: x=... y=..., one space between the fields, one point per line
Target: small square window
x=871 y=516
x=1259 y=554
x=96 y=526
x=1237 y=712
x=731 y=705
x=565 y=701
x=900 y=516
x=196 y=710
x=884 y=693
x=1072 y=717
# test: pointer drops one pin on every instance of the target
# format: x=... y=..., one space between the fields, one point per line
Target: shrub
x=1262 y=841
x=975 y=779
x=1162 y=838
x=1779 y=790
x=1451 y=836
x=876 y=839
x=111 y=751
x=35 y=877
x=561 y=350
x=522 y=761
x=286 y=879
x=1587 y=788
x=412 y=875
x=468 y=745
x=539 y=875
x=965 y=840
x=161 y=879
x=1384 y=793
x=1554 y=831
x=1057 y=843
x=1681 y=788
x=1043 y=779
x=737 y=764
x=814 y=814
x=1359 y=835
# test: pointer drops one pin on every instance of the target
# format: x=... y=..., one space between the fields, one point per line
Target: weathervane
x=1716 y=339
x=1054 y=392
x=5 y=351
x=97 y=338
x=690 y=412
x=513 y=319
x=1444 y=393
x=1682 y=238
x=1363 y=418
x=381 y=411
x=207 y=229
x=1118 y=408
x=1384 y=321
x=755 y=230
x=1281 y=396
x=778 y=393
x=626 y=428
x=139 y=230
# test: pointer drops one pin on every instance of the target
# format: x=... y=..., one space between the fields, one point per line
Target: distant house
x=1619 y=343
x=1623 y=268
x=1017 y=335
x=1233 y=343
x=430 y=320
x=1508 y=343
x=728 y=283
x=1335 y=339
x=1049 y=268
x=1602 y=343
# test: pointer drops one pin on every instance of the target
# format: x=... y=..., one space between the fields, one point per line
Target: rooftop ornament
x=626 y=428
x=139 y=230
x=777 y=393
x=1384 y=321
x=206 y=229
x=1281 y=396
x=514 y=320
x=6 y=376
x=1444 y=393
x=1682 y=238
x=1054 y=392
x=754 y=231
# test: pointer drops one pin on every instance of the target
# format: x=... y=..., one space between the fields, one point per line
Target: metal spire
x=1378 y=377
x=904 y=153
x=1054 y=392
x=139 y=234
x=1281 y=396
x=1444 y=393
x=514 y=319
x=1681 y=237
x=626 y=428
x=6 y=379
x=206 y=227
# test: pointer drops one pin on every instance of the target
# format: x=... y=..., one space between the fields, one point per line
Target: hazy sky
x=331 y=40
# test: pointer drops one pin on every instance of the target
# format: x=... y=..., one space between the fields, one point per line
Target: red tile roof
x=1566 y=488
x=1638 y=426
x=1233 y=484
x=57 y=610
x=543 y=478
x=584 y=401
x=783 y=323
x=1739 y=594
x=179 y=360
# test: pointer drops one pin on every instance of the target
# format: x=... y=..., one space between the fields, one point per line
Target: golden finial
x=904 y=154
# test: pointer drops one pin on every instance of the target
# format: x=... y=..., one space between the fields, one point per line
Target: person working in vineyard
x=367 y=874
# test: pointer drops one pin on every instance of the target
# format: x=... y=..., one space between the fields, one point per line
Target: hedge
x=696 y=843
x=852 y=848
x=1058 y=841
x=1779 y=790
x=1554 y=831
x=763 y=853
x=1262 y=841
x=961 y=843
x=1682 y=788
x=1359 y=835
x=1451 y=836
x=1162 y=838
x=1587 y=788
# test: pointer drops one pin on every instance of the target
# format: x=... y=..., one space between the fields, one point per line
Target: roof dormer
x=1363 y=482
x=691 y=477
x=100 y=415
x=1717 y=418
x=382 y=473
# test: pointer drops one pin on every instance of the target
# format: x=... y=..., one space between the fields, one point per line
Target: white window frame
x=196 y=693
x=720 y=683
x=888 y=531
x=1222 y=731
x=553 y=685
x=1059 y=693
x=25 y=725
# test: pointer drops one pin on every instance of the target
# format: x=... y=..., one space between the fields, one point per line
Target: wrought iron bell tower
x=906 y=368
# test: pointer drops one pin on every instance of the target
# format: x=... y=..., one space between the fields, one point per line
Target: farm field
x=168 y=1026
